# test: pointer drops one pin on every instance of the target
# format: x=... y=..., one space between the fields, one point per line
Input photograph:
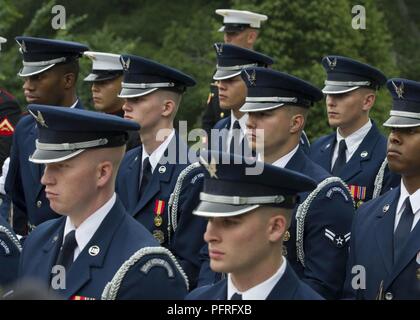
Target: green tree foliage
x=178 y=33
x=181 y=33
x=299 y=33
x=403 y=20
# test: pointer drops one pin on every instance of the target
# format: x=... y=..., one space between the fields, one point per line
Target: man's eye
x=230 y=222
x=262 y=114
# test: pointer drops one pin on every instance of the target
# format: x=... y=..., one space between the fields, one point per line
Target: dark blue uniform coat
x=118 y=237
x=363 y=166
x=187 y=240
x=9 y=254
x=371 y=247
x=289 y=287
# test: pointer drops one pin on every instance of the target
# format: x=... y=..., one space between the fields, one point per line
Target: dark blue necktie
x=341 y=159
x=236 y=143
x=146 y=176
x=236 y=296
x=403 y=229
x=66 y=254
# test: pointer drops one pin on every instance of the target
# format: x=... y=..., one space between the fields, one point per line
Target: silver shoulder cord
x=10 y=235
x=302 y=210
x=379 y=179
x=174 y=199
x=111 y=289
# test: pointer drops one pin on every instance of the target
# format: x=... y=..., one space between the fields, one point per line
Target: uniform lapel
x=326 y=153
x=220 y=290
x=81 y=270
x=363 y=153
x=128 y=181
x=224 y=133
x=384 y=227
x=162 y=174
x=154 y=186
x=50 y=252
x=410 y=251
x=286 y=287
x=297 y=162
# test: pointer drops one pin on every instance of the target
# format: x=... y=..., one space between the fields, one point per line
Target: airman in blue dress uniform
x=149 y=173
x=350 y=91
x=79 y=253
x=50 y=71
x=248 y=215
x=232 y=92
x=384 y=261
x=277 y=105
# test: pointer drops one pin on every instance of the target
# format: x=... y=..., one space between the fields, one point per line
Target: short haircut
x=71 y=66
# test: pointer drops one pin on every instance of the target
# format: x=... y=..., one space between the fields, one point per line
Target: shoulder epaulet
x=111 y=289
x=303 y=208
x=11 y=237
x=174 y=198
x=379 y=179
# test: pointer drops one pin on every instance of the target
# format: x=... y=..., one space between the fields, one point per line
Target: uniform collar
x=260 y=291
x=283 y=161
x=242 y=122
x=156 y=155
x=355 y=139
x=414 y=199
x=74 y=104
x=88 y=227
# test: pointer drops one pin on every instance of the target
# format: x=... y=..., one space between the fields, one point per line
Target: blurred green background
x=181 y=33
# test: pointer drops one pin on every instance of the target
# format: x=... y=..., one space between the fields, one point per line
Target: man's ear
x=69 y=80
x=368 y=101
x=104 y=173
x=277 y=226
x=252 y=37
x=168 y=107
x=297 y=123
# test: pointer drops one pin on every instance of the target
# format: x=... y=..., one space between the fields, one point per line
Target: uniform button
x=39 y=203
x=388 y=296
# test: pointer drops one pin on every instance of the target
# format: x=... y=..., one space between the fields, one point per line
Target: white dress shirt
x=353 y=142
x=242 y=124
x=156 y=155
x=415 y=205
x=88 y=227
x=260 y=291
x=283 y=161
x=74 y=104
